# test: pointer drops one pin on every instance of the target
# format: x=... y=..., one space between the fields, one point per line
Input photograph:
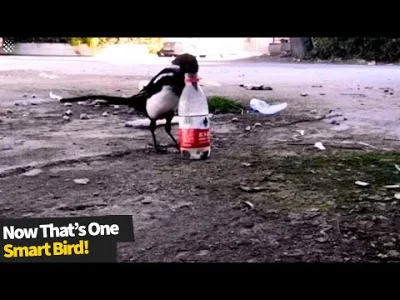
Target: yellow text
x=48 y=249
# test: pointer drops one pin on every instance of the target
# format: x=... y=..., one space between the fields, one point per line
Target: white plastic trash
x=265 y=108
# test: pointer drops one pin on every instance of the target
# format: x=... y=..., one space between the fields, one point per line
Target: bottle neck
x=191 y=78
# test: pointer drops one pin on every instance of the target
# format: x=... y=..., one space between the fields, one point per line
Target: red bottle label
x=194 y=138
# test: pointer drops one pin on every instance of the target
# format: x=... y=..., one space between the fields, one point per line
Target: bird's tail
x=136 y=101
x=109 y=99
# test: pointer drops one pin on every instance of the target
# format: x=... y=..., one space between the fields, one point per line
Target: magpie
x=159 y=98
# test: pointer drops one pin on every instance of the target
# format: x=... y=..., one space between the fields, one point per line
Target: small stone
x=99 y=102
x=116 y=106
x=115 y=113
x=24 y=95
x=334 y=122
x=181 y=254
x=246 y=164
x=372 y=63
x=66 y=118
x=313 y=111
x=146 y=200
x=322 y=94
x=313 y=209
x=96 y=194
x=67 y=104
x=381 y=218
x=16 y=104
x=203 y=253
x=68 y=112
x=105 y=114
x=33 y=96
x=83 y=117
x=9 y=111
x=33 y=172
x=137 y=199
x=393 y=253
x=257 y=125
x=388 y=244
x=184 y=204
x=303 y=94
x=248 y=128
x=27 y=215
x=81 y=180
x=322 y=239
x=248 y=225
x=235 y=120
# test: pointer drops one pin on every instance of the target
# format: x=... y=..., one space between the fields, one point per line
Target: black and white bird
x=159 y=98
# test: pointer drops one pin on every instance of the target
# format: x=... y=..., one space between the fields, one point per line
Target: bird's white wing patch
x=163 y=75
x=161 y=102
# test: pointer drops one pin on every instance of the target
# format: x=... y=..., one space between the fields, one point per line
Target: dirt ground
x=265 y=195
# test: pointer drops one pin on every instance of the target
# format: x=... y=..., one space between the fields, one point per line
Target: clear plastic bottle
x=194 y=121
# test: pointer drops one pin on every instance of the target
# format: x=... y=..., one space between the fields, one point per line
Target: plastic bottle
x=194 y=121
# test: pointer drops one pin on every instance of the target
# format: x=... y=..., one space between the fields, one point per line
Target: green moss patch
x=224 y=105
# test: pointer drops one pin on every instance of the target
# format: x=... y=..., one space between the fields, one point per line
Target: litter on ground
x=256 y=87
x=301 y=132
x=146 y=122
x=81 y=180
x=361 y=183
x=265 y=108
x=248 y=203
x=54 y=96
x=48 y=76
x=392 y=186
x=33 y=172
x=334 y=113
x=319 y=145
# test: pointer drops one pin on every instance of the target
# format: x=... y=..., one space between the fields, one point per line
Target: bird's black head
x=187 y=63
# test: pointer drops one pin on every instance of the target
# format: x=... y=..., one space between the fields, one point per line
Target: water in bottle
x=194 y=121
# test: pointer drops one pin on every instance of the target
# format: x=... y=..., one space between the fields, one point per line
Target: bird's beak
x=195 y=85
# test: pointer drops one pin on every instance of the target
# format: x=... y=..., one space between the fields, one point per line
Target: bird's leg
x=168 y=127
x=153 y=126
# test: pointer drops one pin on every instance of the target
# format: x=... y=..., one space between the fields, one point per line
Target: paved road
x=228 y=72
x=288 y=80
